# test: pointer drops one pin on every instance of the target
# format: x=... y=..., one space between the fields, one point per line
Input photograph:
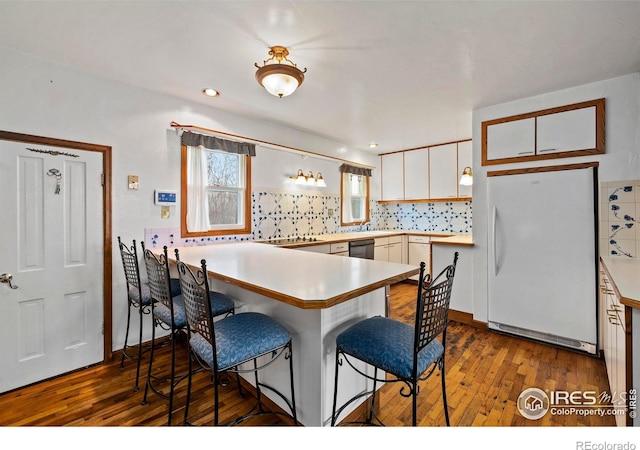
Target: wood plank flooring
x=485 y=373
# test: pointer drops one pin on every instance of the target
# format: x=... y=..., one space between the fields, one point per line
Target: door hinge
x=102 y=179
x=103 y=328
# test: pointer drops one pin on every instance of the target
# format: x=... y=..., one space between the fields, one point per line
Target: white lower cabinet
x=420 y=251
x=388 y=249
x=614 y=344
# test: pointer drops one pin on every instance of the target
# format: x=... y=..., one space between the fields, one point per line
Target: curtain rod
x=267 y=144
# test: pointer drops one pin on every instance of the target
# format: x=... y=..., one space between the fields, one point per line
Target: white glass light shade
x=280 y=84
x=320 y=181
x=300 y=178
x=467 y=177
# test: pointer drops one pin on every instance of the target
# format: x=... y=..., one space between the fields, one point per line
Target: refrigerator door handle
x=493 y=233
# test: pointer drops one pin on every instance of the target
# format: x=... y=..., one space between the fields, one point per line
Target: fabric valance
x=214 y=143
x=355 y=170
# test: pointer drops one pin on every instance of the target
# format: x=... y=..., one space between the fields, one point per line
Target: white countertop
x=625 y=276
x=304 y=279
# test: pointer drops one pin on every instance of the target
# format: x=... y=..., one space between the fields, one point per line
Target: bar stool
x=138 y=298
x=169 y=314
x=408 y=354
x=222 y=346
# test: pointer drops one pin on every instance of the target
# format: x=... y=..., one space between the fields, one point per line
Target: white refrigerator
x=543 y=256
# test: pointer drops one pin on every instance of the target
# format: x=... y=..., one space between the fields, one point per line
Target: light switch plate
x=133 y=181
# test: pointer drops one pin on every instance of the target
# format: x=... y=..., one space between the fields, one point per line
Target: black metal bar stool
x=169 y=314
x=408 y=354
x=222 y=346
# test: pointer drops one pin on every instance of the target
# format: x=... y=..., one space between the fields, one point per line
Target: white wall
x=45 y=99
x=621 y=161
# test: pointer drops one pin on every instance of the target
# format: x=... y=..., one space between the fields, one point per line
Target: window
x=355 y=198
x=216 y=193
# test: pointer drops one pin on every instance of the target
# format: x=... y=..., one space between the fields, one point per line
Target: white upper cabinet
x=443 y=177
x=392 y=167
x=566 y=131
x=416 y=174
x=465 y=159
x=571 y=130
x=424 y=174
x=511 y=139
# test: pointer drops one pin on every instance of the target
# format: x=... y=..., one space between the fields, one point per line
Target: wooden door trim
x=106 y=220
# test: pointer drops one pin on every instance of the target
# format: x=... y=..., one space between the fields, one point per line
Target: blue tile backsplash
x=277 y=213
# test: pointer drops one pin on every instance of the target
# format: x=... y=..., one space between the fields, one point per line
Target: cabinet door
x=465 y=159
x=395 y=253
x=420 y=253
x=416 y=174
x=381 y=253
x=512 y=139
x=566 y=131
x=392 y=176
x=443 y=171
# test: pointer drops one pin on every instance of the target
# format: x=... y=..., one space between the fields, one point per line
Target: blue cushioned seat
x=388 y=345
x=241 y=338
x=134 y=294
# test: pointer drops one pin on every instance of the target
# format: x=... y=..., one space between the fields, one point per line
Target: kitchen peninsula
x=314 y=295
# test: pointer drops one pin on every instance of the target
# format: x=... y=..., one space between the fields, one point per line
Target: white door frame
x=106 y=218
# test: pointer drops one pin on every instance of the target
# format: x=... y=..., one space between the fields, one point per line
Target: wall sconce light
x=309 y=179
x=278 y=75
x=467 y=177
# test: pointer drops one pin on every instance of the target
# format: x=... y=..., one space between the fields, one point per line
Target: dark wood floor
x=485 y=373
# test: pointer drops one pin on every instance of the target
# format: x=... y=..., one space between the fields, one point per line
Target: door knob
x=6 y=278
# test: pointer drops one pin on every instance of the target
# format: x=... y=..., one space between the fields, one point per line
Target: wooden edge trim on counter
x=444 y=242
x=428 y=200
x=498 y=173
x=467 y=319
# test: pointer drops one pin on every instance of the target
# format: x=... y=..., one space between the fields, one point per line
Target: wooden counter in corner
x=459 y=239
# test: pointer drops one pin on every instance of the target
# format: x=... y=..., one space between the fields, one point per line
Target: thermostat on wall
x=164 y=197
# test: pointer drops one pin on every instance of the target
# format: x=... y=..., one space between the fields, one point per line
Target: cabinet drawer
x=340 y=247
x=420 y=239
x=395 y=239
x=381 y=241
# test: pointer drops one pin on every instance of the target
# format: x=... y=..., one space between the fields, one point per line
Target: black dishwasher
x=362 y=248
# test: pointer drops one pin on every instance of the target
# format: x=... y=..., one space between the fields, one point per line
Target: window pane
x=223 y=169
x=357 y=208
x=224 y=208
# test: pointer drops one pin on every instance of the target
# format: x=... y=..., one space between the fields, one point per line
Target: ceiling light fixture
x=373 y=145
x=279 y=76
x=467 y=177
x=210 y=92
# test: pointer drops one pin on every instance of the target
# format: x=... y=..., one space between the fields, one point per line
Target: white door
x=52 y=245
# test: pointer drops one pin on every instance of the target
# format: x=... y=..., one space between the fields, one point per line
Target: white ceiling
x=401 y=73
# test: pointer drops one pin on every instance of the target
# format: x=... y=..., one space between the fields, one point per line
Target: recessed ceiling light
x=210 y=92
x=373 y=145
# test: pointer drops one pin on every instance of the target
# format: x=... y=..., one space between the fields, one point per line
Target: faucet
x=362 y=224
